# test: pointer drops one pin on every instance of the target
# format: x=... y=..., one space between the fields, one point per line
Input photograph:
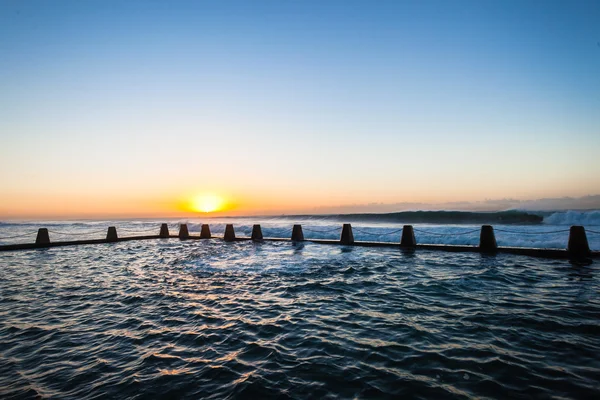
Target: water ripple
x=215 y=320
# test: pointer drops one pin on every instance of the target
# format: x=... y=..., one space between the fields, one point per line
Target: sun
x=207 y=203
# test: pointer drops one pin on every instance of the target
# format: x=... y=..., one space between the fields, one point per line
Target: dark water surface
x=164 y=318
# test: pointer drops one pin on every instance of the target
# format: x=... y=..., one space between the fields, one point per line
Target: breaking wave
x=584 y=218
x=553 y=233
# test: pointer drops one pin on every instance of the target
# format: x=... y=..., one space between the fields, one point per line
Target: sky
x=132 y=109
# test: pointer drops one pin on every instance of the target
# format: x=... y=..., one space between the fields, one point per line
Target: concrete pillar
x=42 y=236
x=229 y=233
x=297 y=234
x=257 y=235
x=205 y=232
x=487 y=239
x=408 y=237
x=183 y=232
x=111 y=235
x=347 y=236
x=164 y=231
x=578 y=246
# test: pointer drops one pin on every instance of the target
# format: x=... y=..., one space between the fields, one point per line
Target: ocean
x=194 y=319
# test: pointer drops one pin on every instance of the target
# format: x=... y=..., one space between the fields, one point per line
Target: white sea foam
x=553 y=233
x=584 y=218
x=538 y=236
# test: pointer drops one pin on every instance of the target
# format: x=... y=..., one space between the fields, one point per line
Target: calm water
x=211 y=319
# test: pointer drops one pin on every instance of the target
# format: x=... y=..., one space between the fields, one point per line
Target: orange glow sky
x=127 y=110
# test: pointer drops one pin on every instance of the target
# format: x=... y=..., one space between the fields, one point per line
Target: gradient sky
x=125 y=108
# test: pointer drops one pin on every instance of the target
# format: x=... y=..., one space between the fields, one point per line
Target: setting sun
x=207 y=203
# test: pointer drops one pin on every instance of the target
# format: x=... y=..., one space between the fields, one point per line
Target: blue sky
x=285 y=106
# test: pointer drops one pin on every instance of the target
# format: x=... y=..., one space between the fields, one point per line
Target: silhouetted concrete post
x=408 y=239
x=578 y=246
x=487 y=239
x=297 y=234
x=257 y=235
x=229 y=233
x=183 y=232
x=347 y=236
x=205 y=232
x=164 y=231
x=111 y=235
x=42 y=236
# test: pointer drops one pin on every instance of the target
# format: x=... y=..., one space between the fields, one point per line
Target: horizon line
x=206 y=215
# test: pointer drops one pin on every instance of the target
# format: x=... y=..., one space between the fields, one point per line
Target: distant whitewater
x=512 y=228
x=585 y=218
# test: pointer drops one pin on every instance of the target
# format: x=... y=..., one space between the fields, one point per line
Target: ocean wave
x=584 y=218
x=548 y=235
